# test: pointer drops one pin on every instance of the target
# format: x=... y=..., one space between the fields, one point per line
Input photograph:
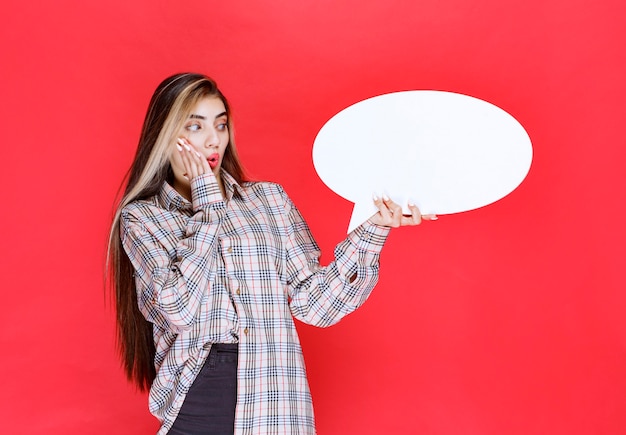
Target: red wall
x=504 y=320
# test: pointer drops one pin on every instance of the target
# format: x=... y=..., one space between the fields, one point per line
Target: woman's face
x=206 y=130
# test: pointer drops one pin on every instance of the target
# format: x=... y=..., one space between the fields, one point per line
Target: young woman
x=209 y=270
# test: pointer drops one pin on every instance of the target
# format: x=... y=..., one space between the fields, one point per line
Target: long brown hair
x=169 y=106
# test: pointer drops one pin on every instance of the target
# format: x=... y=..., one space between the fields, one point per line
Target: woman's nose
x=212 y=139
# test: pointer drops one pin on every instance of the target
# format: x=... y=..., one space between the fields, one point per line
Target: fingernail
x=179 y=147
x=375 y=197
x=385 y=197
x=411 y=203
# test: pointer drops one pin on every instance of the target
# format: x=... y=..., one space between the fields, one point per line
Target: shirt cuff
x=205 y=191
x=369 y=236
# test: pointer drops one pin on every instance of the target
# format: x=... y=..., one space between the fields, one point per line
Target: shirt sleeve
x=171 y=290
x=322 y=296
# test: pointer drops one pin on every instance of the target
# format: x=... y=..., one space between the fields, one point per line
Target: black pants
x=209 y=407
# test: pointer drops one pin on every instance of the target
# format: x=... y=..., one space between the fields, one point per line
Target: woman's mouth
x=213 y=160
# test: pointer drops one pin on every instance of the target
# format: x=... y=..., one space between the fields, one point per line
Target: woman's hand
x=390 y=214
x=193 y=161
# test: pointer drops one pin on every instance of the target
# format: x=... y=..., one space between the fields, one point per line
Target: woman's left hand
x=390 y=214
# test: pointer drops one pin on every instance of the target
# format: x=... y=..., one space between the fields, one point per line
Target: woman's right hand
x=193 y=161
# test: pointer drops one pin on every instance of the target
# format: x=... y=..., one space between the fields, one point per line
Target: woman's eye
x=222 y=127
x=193 y=127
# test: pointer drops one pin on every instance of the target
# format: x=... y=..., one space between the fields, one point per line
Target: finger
x=395 y=210
x=180 y=156
x=416 y=215
x=192 y=156
x=383 y=210
x=184 y=157
x=196 y=161
x=382 y=216
x=202 y=164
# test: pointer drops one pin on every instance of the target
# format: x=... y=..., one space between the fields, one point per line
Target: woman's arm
x=170 y=290
x=322 y=296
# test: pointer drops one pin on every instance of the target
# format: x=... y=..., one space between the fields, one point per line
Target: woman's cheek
x=177 y=163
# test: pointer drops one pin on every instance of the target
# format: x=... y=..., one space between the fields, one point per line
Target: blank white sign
x=445 y=152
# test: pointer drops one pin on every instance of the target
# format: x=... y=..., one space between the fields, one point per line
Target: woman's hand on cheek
x=390 y=214
x=193 y=161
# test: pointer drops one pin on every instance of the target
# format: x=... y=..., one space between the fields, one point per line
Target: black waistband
x=225 y=347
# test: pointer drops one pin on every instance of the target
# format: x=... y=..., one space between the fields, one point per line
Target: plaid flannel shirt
x=238 y=270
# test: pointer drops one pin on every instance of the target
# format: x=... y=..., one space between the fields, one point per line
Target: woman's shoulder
x=262 y=186
x=140 y=204
x=140 y=209
x=268 y=193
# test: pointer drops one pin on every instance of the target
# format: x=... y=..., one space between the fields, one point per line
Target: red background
x=504 y=320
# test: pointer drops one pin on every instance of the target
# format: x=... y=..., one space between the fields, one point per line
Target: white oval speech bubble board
x=443 y=151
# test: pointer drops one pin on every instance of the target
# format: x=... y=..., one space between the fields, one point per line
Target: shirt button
x=230 y=249
x=238 y=291
x=245 y=331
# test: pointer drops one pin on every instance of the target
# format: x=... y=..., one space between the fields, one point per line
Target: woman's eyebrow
x=203 y=118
